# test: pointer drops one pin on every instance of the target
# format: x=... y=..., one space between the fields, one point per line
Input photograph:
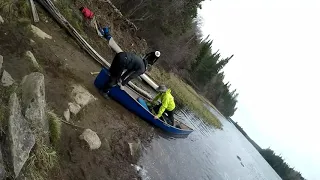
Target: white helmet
x=157 y=53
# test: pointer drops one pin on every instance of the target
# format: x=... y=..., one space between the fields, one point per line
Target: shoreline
x=63 y=64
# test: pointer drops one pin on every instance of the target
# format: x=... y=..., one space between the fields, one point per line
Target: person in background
x=134 y=66
x=167 y=104
x=87 y=13
x=91 y=21
x=152 y=56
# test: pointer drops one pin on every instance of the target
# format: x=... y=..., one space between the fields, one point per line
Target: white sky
x=276 y=71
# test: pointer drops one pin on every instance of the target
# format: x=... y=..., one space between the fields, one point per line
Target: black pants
x=118 y=65
x=169 y=119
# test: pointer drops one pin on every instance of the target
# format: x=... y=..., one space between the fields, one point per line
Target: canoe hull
x=134 y=106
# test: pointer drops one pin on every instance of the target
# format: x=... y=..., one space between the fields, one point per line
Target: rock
x=139 y=170
x=32 y=41
x=91 y=138
x=2 y=168
x=40 y=33
x=33 y=59
x=1 y=61
x=34 y=101
x=1 y=20
x=6 y=79
x=137 y=167
x=81 y=96
x=239 y=158
x=21 y=139
x=74 y=108
x=135 y=148
x=66 y=115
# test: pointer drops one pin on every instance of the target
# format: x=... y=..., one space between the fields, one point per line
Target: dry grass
x=42 y=159
x=186 y=95
x=54 y=128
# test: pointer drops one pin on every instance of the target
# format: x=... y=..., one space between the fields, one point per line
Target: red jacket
x=87 y=13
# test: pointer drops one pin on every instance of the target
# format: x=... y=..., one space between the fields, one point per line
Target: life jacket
x=87 y=13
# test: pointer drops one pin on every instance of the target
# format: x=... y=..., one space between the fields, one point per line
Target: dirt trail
x=63 y=64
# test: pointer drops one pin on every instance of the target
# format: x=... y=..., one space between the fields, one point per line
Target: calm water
x=205 y=154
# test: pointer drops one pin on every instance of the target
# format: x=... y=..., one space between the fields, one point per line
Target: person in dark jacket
x=133 y=64
x=152 y=57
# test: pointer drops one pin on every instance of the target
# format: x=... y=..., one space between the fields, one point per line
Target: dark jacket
x=151 y=58
x=135 y=67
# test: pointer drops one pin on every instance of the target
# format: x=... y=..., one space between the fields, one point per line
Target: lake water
x=206 y=153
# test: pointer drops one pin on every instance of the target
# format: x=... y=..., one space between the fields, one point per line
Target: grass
x=42 y=159
x=72 y=15
x=185 y=95
x=54 y=128
x=8 y=7
x=15 y=8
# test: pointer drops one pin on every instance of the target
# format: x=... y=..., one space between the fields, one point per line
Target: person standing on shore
x=152 y=57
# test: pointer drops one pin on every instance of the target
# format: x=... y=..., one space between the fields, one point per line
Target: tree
x=280 y=166
x=173 y=28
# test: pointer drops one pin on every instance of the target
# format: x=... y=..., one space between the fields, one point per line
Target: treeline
x=246 y=135
x=276 y=161
x=206 y=72
x=171 y=26
x=280 y=166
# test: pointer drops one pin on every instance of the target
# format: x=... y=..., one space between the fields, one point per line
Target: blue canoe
x=136 y=104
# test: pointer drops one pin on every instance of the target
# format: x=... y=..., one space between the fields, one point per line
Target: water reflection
x=205 y=154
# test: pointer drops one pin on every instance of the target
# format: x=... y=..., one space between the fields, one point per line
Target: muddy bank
x=63 y=64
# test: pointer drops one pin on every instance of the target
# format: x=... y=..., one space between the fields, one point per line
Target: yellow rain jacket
x=167 y=102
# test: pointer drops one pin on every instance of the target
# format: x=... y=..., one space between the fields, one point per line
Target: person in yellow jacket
x=167 y=104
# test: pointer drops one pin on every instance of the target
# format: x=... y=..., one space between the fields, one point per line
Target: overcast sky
x=276 y=70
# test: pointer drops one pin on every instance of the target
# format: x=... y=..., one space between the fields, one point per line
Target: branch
x=136 y=8
x=143 y=18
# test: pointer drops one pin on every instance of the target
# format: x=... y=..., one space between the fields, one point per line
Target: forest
x=173 y=27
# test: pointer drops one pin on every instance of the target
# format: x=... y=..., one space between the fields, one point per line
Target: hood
x=168 y=91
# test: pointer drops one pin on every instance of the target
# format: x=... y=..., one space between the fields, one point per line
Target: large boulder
x=21 y=139
x=91 y=138
x=34 y=101
x=6 y=79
